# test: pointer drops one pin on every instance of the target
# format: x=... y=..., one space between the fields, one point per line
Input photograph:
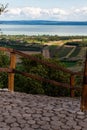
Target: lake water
x=60 y=30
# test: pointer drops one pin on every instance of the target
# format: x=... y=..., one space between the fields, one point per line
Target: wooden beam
x=42 y=79
x=8 y=70
x=84 y=88
x=44 y=62
x=72 y=82
x=47 y=63
x=11 y=75
x=6 y=49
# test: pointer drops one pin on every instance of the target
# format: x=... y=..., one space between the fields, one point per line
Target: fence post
x=11 y=75
x=72 y=82
x=84 y=87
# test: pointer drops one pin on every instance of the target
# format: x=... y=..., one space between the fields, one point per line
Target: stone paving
x=20 y=111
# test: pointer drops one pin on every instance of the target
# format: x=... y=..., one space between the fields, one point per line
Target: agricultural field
x=75 y=52
x=68 y=49
x=72 y=54
x=63 y=51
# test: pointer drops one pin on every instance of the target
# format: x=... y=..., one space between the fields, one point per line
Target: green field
x=69 y=63
x=68 y=49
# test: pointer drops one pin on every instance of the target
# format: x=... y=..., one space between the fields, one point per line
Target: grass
x=76 y=52
x=63 y=52
x=69 y=63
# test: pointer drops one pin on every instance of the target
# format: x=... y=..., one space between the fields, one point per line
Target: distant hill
x=43 y=22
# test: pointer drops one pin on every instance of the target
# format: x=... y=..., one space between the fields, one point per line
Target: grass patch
x=69 y=63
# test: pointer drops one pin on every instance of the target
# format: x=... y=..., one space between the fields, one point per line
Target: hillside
x=42 y=22
x=72 y=54
x=69 y=51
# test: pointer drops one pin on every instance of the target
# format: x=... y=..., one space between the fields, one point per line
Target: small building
x=45 y=52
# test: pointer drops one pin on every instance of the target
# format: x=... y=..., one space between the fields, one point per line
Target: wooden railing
x=11 y=71
x=84 y=87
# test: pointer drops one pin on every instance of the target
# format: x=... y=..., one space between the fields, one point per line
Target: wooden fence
x=11 y=71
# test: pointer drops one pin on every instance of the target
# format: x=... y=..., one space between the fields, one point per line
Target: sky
x=57 y=10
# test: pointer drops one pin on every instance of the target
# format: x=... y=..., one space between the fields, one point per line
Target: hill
x=42 y=22
x=72 y=54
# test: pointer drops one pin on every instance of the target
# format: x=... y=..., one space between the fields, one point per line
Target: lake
x=61 y=30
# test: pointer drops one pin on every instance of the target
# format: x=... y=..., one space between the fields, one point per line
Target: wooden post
x=72 y=93
x=84 y=88
x=11 y=75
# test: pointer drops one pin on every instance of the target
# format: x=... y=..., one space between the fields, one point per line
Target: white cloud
x=16 y=11
x=35 y=13
x=78 y=14
x=57 y=11
x=81 y=10
x=52 y=14
x=31 y=11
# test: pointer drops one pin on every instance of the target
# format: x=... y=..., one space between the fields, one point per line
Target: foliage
x=4 y=62
x=40 y=40
x=70 y=63
x=3 y=8
x=32 y=86
x=82 y=43
x=28 y=85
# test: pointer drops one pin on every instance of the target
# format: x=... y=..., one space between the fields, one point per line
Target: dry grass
x=61 y=42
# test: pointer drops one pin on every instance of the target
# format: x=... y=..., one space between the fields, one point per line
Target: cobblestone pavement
x=20 y=111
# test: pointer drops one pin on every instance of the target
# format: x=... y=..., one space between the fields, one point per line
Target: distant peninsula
x=41 y=22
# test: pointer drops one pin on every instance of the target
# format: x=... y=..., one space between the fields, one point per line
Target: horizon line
x=45 y=20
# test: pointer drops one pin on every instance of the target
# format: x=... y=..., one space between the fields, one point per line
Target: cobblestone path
x=20 y=111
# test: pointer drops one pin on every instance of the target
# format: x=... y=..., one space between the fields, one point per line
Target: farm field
x=68 y=49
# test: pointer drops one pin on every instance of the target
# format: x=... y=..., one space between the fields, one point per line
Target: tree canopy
x=3 y=8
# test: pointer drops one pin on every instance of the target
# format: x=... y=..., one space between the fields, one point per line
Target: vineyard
x=64 y=51
x=72 y=55
x=75 y=52
x=68 y=51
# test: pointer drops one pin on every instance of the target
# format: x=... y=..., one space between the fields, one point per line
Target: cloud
x=31 y=12
x=50 y=13
x=14 y=12
x=57 y=11
x=81 y=10
x=78 y=14
x=35 y=13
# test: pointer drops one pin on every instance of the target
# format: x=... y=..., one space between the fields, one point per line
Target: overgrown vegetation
x=68 y=55
x=32 y=86
x=4 y=62
x=28 y=85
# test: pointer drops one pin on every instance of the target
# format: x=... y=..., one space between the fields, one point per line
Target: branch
x=3 y=8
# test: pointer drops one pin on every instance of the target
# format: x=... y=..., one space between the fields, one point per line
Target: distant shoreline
x=42 y=22
x=42 y=28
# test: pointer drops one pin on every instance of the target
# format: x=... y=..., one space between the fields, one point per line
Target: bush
x=4 y=62
x=28 y=85
x=36 y=87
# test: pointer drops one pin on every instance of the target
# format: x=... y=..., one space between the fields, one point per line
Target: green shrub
x=30 y=85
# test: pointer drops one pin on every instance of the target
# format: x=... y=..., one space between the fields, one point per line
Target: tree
x=3 y=8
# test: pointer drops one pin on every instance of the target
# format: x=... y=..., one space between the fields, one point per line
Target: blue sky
x=60 y=10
